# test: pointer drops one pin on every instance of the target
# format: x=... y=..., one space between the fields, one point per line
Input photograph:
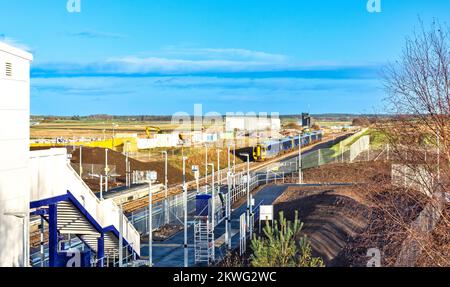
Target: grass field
x=377 y=138
x=93 y=129
x=321 y=122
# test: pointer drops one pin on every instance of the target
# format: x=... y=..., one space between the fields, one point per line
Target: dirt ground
x=97 y=156
x=344 y=222
x=331 y=217
x=349 y=173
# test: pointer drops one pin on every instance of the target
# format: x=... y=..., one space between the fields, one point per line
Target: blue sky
x=161 y=57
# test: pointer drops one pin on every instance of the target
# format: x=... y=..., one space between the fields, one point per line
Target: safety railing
x=53 y=176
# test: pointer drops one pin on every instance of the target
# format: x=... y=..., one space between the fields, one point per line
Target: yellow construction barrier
x=117 y=144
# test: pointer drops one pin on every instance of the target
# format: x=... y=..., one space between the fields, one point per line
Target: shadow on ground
x=330 y=219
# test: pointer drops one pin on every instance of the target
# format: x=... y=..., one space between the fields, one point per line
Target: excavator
x=151 y=130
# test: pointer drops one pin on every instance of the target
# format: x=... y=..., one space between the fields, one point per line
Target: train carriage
x=274 y=148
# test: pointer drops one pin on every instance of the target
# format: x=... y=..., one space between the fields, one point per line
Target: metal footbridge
x=72 y=211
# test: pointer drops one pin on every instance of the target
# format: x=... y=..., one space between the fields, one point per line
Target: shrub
x=279 y=247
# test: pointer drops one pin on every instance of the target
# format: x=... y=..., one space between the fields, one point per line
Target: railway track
x=141 y=203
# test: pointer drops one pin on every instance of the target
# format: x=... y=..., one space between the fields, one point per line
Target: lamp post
x=127 y=173
x=166 y=189
x=234 y=159
x=229 y=157
x=206 y=167
x=106 y=170
x=186 y=262
x=150 y=224
x=218 y=169
x=101 y=187
x=196 y=172
x=151 y=176
x=228 y=212
x=213 y=199
x=248 y=190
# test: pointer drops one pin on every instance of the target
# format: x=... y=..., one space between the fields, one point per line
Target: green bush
x=279 y=247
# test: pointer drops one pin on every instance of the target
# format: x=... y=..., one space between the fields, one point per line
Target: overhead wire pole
x=166 y=189
x=186 y=258
x=150 y=224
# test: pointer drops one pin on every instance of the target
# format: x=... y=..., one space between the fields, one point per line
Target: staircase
x=71 y=208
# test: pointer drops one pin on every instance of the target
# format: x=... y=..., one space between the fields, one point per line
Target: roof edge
x=15 y=51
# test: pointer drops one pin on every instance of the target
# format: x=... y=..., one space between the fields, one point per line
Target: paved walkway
x=172 y=255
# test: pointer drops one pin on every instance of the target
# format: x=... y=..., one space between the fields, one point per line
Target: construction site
x=224 y=190
x=149 y=196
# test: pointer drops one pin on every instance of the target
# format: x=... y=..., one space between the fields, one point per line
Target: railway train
x=273 y=148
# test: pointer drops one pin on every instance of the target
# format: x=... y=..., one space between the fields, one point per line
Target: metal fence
x=274 y=173
x=90 y=170
x=320 y=157
x=175 y=211
x=361 y=145
x=412 y=177
x=174 y=214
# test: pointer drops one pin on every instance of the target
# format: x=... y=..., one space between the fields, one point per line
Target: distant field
x=98 y=129
x=321 y=122
x=105 y=129
x=333 y=123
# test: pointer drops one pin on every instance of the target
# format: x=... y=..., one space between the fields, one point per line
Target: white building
x=252 y=123
x=160 y=140
x=14 y=154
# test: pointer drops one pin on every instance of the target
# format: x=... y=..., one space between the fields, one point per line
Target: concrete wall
x=14 y=154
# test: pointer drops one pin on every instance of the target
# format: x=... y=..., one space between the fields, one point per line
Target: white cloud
x=202 y=61
x=132 y=64
x=225 y=53
x=187 y=60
